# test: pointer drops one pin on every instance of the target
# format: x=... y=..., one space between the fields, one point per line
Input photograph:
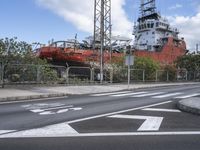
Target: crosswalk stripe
x=112 y=93
x=188 y=96
x=128 y=94
x=161 y=110
x=148 y=94
x=167 y=95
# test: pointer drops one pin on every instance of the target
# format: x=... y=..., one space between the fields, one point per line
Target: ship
x=72 y=53
x=154 y=38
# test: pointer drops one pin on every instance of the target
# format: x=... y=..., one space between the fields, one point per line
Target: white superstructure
x=151 y=31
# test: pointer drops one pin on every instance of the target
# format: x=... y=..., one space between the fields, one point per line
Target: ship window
x=148 y=25
x=145 y=26
x=157 y=24
x=148 y=47
x=142 y=26
x=153 y=32
x=152 y=24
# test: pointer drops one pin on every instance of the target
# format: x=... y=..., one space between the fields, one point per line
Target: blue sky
x=34 y=22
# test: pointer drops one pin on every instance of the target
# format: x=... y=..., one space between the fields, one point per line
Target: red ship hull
x=169 y=52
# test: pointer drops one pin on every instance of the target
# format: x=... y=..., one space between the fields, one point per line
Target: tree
x=149 y=65
x=190 y=62
x=20 y=63
x=141 y=63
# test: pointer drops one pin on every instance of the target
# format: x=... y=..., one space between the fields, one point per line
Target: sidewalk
x=28 y=93
x=191 y=105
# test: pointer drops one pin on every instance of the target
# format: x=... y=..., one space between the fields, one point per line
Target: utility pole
x=102 y=30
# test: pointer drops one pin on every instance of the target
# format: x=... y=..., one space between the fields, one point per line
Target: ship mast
x=148 y=10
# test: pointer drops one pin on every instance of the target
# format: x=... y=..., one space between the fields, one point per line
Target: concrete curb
x=32 y=97
x=191 y=105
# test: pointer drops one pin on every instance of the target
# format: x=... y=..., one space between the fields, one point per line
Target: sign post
x=129 y=62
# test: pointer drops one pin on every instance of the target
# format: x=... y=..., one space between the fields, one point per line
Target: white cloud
x=189 y=28
x=176 y=6
x=80 y=14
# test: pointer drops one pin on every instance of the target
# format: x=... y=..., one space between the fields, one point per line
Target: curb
x=185 y=105
x=32 y=97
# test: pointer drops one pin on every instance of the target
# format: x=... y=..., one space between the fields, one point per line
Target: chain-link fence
x=48 y=74
x=182 y=75
x=33 y=74
x=193 y=75
x=79 y=75
x=87 y=75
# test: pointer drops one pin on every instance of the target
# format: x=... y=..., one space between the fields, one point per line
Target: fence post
x=38 y=74
x=143 y=75
x=167 y=76
x=186 y=76
x=177 y=75
x=111 y=75
x=68 y=75
x=156 y=76
x=91 y=75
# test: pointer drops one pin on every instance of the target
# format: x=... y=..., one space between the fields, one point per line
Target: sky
x=43 y=20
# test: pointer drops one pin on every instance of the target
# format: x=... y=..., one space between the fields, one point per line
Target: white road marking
x=48 y=131
x=76 y=108
x=188 y=96
x=184 y=133
x=34 y=100
x=53 y=108
x=43 y=105
x=148 y=94
x=162 y=110
x=112 y=93
x=128 y=94
x=50 y=108
x=62 y=111
x=6 y=131
x=167 y=95
x=37 y=110
x=47 y=113
x=65 y=130
x=151 y=123
x=117 y=112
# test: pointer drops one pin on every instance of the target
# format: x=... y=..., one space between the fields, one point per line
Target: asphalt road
x=139 y=119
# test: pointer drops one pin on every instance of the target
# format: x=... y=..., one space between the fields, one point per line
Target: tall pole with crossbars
x=102 y=30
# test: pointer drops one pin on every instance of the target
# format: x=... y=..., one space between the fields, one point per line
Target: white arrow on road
x=151 y=123
x=57 y=130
